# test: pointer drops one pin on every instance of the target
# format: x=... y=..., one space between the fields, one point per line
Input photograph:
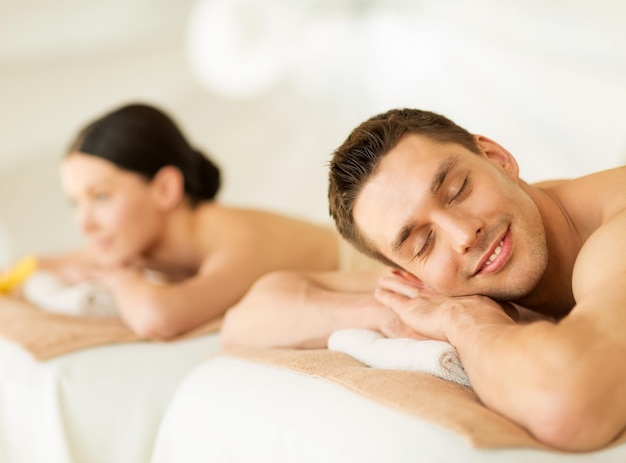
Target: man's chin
x=510 y=292
x=516 y=291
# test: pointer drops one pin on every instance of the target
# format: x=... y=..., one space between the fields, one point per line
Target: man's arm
x=562 y=381
x=289 y=309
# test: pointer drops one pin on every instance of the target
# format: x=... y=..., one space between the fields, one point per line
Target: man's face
x=459 y=221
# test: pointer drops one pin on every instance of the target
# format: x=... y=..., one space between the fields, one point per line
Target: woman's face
x=115 y=208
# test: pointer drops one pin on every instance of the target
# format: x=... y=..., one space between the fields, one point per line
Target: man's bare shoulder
x=604 y=180
x=601 y=263
x=548 y=184
x=590 y=200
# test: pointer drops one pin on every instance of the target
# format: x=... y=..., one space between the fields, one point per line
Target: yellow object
x=17 y=274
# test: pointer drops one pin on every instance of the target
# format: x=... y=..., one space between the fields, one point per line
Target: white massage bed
x=98 y=405
x=234 y=410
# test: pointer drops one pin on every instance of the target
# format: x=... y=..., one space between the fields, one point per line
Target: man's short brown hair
x=355 y=161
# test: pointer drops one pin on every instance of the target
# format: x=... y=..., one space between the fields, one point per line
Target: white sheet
x=232 y=410
x=98 y=405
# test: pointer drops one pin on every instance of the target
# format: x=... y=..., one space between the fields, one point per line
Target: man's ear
x=409 y=278
x=498 y=155
x=169 y=187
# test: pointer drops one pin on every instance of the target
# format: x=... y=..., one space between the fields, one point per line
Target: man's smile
x=497 y=256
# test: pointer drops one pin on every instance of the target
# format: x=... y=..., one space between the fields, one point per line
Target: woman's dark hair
x=143 y=139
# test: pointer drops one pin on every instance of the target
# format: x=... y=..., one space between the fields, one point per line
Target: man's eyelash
x=430 y=237
x=422 y=251
x=461 y=190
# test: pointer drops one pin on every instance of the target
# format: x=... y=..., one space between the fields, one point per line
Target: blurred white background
x=269 y=88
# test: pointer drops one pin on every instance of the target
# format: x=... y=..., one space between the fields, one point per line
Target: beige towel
x=45 y=335
x=444 y=403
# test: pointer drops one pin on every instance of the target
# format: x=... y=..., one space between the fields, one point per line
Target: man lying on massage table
x=470 y=243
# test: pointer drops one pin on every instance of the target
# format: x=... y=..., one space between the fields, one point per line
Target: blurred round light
x=240 y=48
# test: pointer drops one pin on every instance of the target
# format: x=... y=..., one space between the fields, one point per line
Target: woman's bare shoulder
x=242 y=221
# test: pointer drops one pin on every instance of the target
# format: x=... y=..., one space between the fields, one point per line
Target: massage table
x=62 y=401
x=244 y=408
x=89 y=391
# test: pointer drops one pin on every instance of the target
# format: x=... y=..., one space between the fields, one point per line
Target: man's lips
x=497 y=256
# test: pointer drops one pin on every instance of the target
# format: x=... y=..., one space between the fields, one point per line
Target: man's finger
x=390 y=299
x=398 y=286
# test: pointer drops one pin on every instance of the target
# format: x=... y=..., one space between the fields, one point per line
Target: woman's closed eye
x=101 y=196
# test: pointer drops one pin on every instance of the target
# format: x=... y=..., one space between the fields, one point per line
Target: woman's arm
x=164 y=310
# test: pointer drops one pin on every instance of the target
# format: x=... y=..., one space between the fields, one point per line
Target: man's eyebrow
x=444 y=168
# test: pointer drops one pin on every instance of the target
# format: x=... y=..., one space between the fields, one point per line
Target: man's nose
x=462 y=230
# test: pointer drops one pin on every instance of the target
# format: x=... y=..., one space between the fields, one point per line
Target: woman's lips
x=102 y=244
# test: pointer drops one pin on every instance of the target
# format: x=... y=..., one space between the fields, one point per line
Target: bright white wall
x=547 y=79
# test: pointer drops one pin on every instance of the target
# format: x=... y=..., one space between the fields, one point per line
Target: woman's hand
x=71 y=269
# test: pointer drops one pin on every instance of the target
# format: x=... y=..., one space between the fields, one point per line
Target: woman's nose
x=84 y=220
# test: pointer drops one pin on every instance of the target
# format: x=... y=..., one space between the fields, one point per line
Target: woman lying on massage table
x=145 y=200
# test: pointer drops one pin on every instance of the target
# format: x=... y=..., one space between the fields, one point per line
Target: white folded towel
x=46 y=291
x=370 y=347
